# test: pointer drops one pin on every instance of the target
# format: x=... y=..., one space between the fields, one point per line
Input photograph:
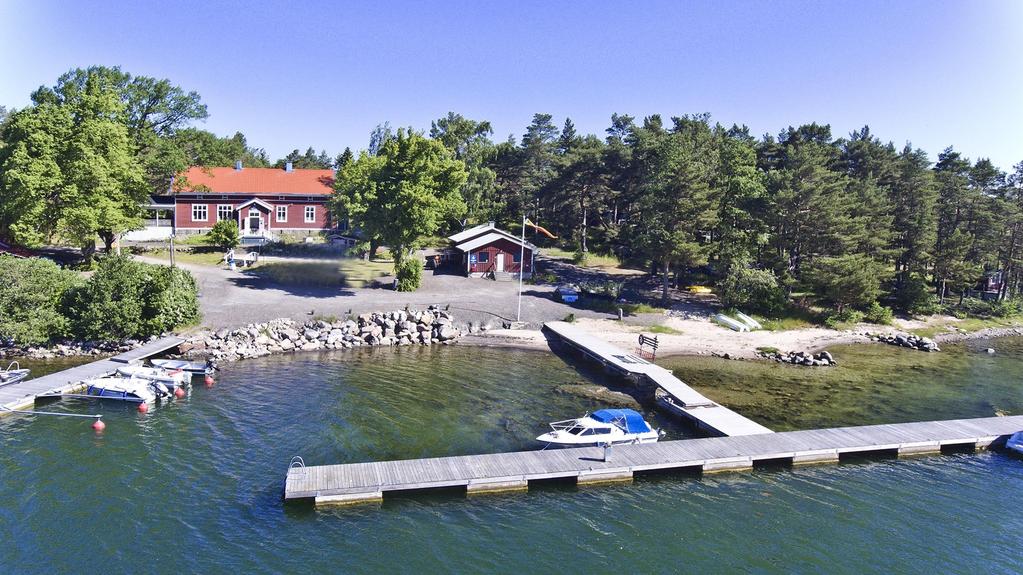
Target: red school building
x=261 y=200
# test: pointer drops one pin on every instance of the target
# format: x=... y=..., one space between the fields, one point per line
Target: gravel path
x=234 y=298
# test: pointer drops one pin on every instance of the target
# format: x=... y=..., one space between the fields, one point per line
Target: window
x=199 y=213
x=282 y=213
x=224 y=212
x=310 y=214
x=482 y=257
x=517 y=256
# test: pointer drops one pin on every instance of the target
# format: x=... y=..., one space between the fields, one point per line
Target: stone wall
x=405 y=327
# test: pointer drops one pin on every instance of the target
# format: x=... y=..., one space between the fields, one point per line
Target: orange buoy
x=143 y=407
x=209 y=381
x=98 y=425
x=179 y=393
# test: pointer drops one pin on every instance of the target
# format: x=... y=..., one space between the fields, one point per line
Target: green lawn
x=352 y=273
x=204 y=257
x=605 y=263
x=661 y=329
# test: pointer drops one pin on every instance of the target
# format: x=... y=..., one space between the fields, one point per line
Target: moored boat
x=1015 y=443
x=13 y=374
x=602 y=427
x=173 y=378
x=125 y=389
x=197 y=367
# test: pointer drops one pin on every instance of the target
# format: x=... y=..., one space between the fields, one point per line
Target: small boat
x=567 y=293
x=196 y=367
x=1015 y=443
x=13 y=374
x=730 y=323
x=173 y=378
x=126 y=389
x=602 y=427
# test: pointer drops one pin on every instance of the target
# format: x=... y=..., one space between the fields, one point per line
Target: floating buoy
x=143 y=407
x=179 y=393
x=209 y=381
x=98 y=425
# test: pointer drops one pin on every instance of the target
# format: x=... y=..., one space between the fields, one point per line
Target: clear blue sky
x=294 y=74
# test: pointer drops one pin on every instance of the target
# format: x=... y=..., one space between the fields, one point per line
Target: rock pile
x=822 y=359
x=406 y=327
x=69 y=348
x=905 y=340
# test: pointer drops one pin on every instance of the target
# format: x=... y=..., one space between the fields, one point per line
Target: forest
x=853 y=223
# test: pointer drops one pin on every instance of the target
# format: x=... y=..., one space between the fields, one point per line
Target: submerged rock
x=599 y=393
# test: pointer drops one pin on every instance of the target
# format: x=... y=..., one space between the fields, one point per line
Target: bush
x=127 y=299
x=841 y=319
x=409 y=273
x=878 y=314
x=31 y=290
x=1006 y=308
x=915 y=297
x=224 y=235
x=751 y=290
x=580 y=258
x=570 y=318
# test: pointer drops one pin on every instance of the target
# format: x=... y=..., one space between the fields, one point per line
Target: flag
x=541 y=229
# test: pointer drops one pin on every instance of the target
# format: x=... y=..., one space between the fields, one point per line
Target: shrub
x=751 y=289
x=841 y=319
x=127 y=299
x=224 y=235
x=30 y=294
x=1006 y=308
x=570 y=318
x=409 y=272
x=580 y=258
x=916 y=297
x=877 y=313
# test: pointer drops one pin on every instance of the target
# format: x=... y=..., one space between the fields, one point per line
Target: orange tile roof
x=256 y=181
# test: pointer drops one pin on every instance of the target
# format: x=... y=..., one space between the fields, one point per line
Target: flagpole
x=522 y=265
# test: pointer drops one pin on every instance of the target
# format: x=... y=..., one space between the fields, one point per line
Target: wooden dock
x=704 y=413
x=23 y=394
x=367 y=482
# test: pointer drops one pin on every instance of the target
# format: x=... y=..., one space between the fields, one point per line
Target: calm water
x=196 y=486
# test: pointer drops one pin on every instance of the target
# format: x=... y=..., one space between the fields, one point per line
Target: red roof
x=257 y=181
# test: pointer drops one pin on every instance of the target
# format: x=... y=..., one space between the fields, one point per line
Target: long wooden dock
x=23 y=394
x=686 y=401
x=367 y=482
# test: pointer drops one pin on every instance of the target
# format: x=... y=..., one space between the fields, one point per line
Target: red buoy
x=143 y=407
x=98 y=425
x=179 y=392
x=209 y=381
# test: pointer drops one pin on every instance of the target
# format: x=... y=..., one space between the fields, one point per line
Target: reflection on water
x=196 y=485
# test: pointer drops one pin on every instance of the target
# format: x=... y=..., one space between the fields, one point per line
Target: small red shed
x=490 y=252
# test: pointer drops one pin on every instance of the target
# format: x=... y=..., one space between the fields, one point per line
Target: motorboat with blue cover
x=602 y=427
x=1015 y=443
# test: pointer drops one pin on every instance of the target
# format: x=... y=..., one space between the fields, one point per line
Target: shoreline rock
x=905 y=340
x=403 y=327
x=819 y=359
x=69 y=348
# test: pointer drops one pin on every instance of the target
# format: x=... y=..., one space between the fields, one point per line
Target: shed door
x=500 y=262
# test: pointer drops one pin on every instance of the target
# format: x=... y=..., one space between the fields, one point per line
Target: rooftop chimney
x=287 y=167
x=238 y=165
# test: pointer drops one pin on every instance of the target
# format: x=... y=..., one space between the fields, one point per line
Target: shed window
x=310 y=214
x=482 y=257
x=199 y=212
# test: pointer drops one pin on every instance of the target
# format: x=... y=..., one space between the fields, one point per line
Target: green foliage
x=127 y=299
x=853 y=280
x=877 y=313
x=570 y=318
x=916 y=297
x=842 y=319
x=580 y=258
x=751 y=290
x=409 y=273
x=30 y=294
x=224 y=235
x=662 y=329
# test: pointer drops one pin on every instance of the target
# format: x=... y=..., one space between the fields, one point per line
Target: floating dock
x=23 y=394
x=704 y=413
x=367 y=482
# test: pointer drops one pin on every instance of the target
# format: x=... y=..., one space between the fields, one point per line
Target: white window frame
x=310 y=214
x=205 y=212
x=227 y=211
x=281 y=210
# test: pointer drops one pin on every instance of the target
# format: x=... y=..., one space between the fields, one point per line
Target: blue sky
x=322 y=74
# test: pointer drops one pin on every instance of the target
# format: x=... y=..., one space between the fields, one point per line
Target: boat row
x=164 y=379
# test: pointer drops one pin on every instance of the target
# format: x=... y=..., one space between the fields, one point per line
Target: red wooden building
x=261 y=200
x=486 y=251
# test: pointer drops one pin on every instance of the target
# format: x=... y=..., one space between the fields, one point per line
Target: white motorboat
x=126 y=389
x=1015 y=443
x=171 y=378
x=13 y=374
x=602 y=427
x=197 y=367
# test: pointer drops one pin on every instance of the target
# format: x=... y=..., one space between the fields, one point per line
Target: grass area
x=612 y=307
x=662 y=329
x=784 y=323
x=969 y=325
x=203 y=257
x=607 y=263
x=353 y=273
x=767 y=350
